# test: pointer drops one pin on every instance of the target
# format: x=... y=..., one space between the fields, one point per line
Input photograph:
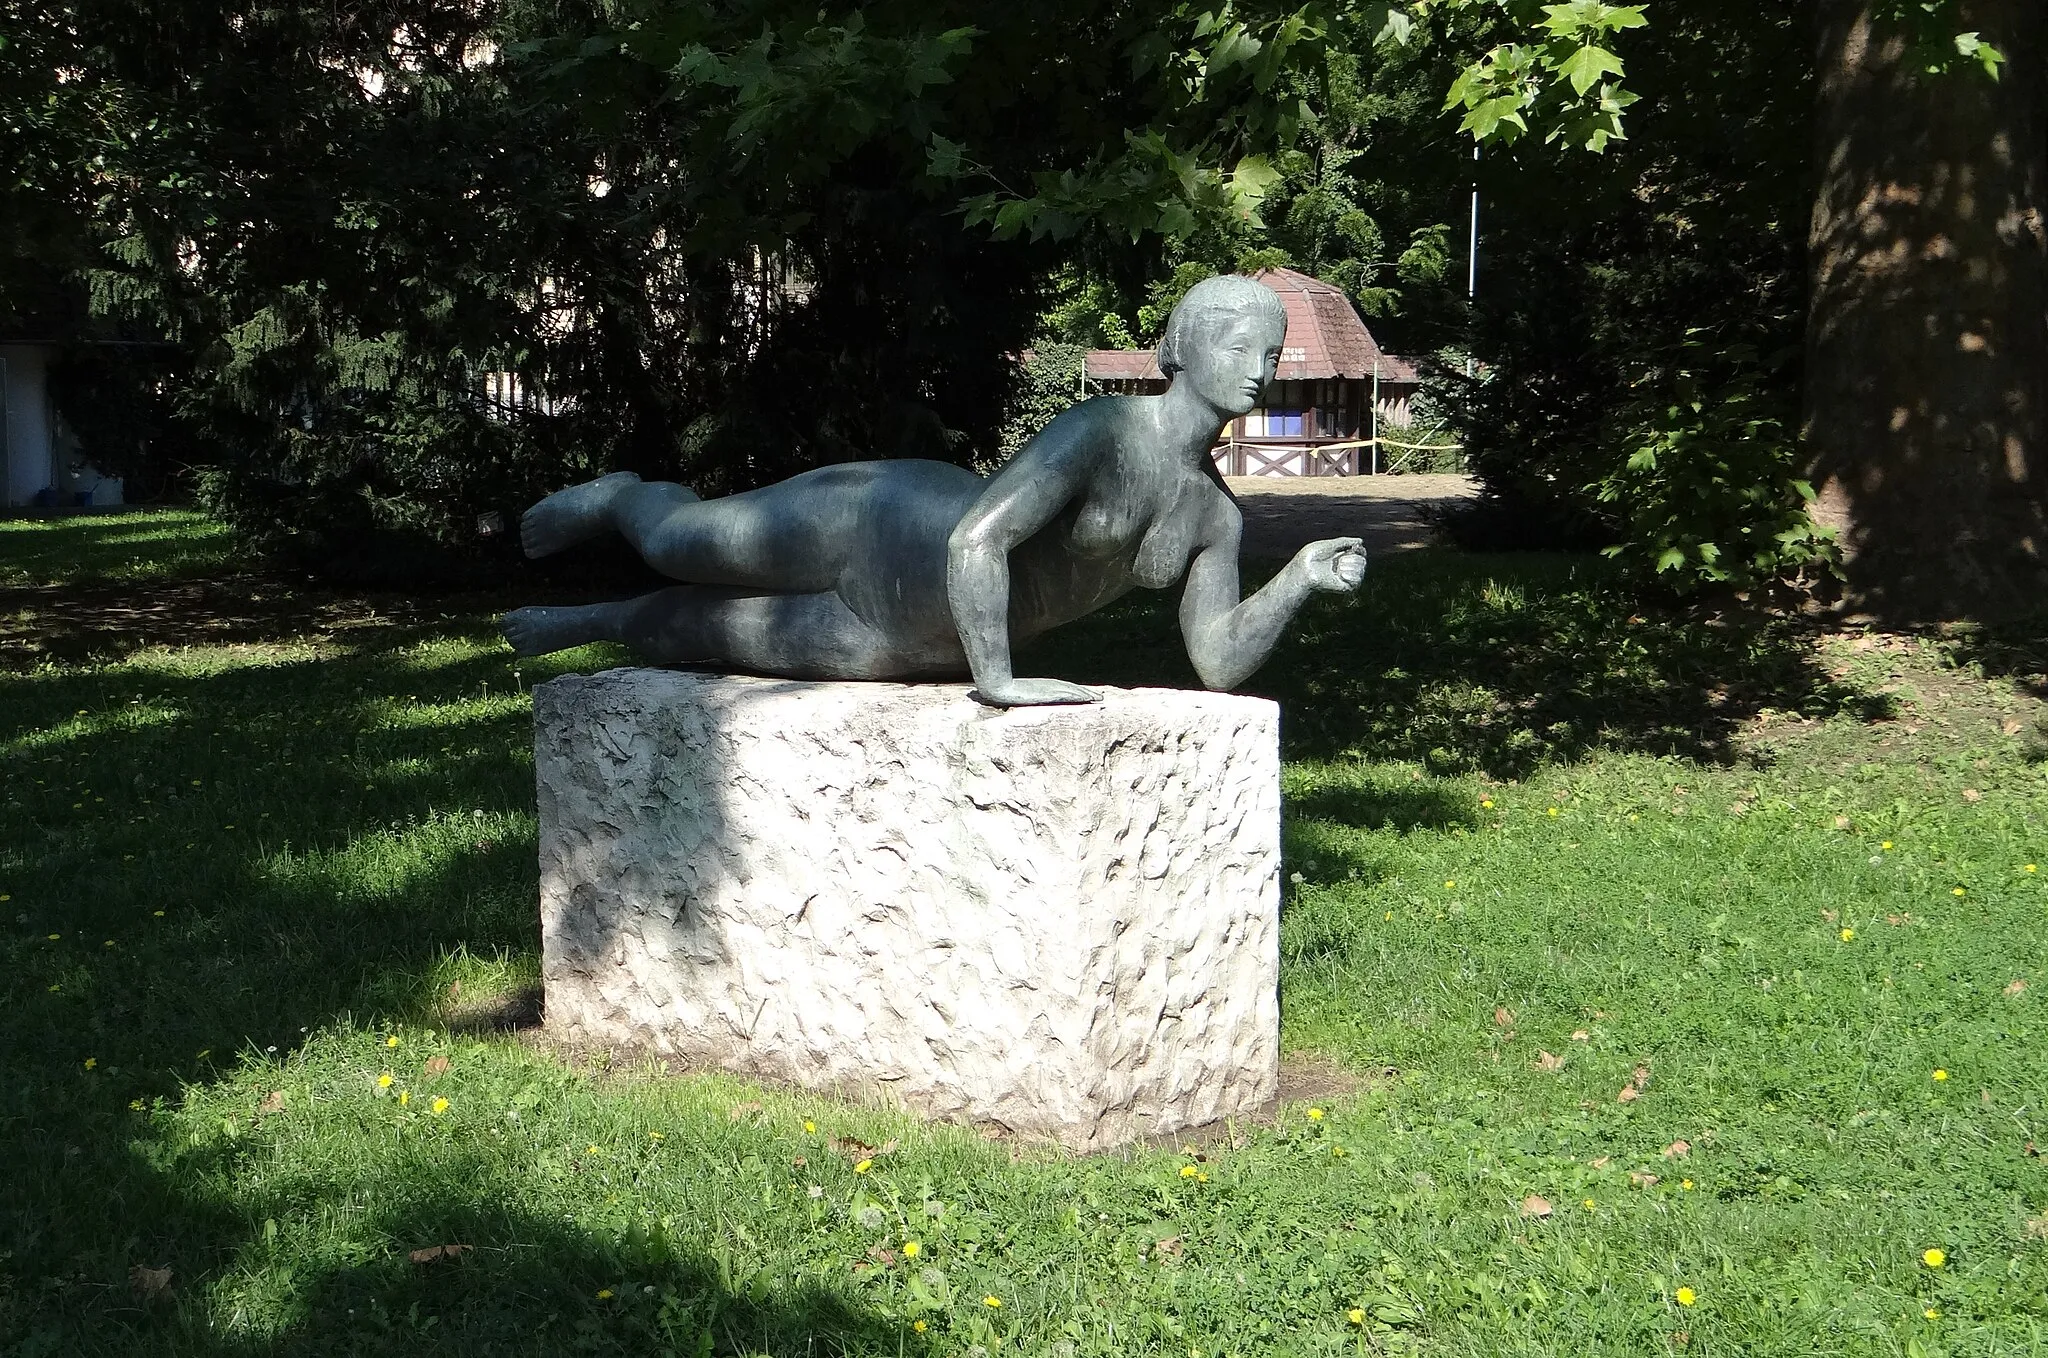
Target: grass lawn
x=1664 y=983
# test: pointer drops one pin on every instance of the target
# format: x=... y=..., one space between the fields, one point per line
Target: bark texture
x=1927 y=343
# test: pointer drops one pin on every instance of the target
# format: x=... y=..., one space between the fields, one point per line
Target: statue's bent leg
x=581 y=512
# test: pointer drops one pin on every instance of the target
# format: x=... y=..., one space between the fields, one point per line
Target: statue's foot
x=571 y=516
x=539 y=631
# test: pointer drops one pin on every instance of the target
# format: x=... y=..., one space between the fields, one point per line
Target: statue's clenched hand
x=1033 y=693
x=1335 y=565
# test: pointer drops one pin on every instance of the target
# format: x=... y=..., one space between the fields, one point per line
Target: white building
x=41 y=457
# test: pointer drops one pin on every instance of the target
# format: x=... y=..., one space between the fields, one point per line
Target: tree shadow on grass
x=214 y=858
x=1494 y=665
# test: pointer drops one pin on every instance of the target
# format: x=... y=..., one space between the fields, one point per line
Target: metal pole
x=1472 y=267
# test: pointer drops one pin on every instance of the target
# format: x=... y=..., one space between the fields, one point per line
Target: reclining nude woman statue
x=913 y=569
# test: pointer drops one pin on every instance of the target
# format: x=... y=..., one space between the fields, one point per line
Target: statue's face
x=1231 y=364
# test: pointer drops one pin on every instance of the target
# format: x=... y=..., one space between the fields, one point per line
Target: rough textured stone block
x=1061 y=920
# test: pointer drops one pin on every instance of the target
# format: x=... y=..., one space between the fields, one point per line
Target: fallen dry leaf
x=1628 y=1094
x=1896 y=920
x=1169 y=1248
x=882 y=1254
x=149 y=1283
x=1533 y=1206
x=437 y=1066
x=2037 y=1229
x=1681 y=1338
x=747 y=1109
x=2012 y=728
x=2017 y=986
x=1971 y=794
x=848 y=1147
x=434 y=1254
x=1841 y=822
x=1641 y=1078
x=1581 y=1035
x=454 y=989
x=273 y=1102
x=1502 y=1018
x=801 y=1161
x=1642 y=1178
x=1678 y=1150
x=1601 y=1161
x=1830 y=916
x=1547 y=1062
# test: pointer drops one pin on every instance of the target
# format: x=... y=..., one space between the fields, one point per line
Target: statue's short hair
x=1210 y=301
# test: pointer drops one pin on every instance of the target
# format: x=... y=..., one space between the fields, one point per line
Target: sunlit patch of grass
x=129 y=545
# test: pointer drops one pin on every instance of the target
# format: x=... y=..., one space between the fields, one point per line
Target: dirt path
x=1281 y=513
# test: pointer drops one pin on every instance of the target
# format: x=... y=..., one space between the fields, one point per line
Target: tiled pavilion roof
x=1325 y=339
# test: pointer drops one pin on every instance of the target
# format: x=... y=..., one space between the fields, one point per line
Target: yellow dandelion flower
x=1315 y=1115
x=1486 y=802
x=2030 y=868
x=1685 y=1184
x=91 y=1061
x=404 y=1097
x=1201 y=1178
x=1956 y=892
x=590 y=1150
x=1449 y=884
x=384 y=1080
x=439 y=1106
x=1848 y=934
x=1686 y=1296
x=1934 y=1258
x=863 y=1167
x=135 y=1105
x=1932 y=1313
x=1940 y=1075
x=1589 y=1204
x=1886 y=846
x=604 y=1294
x=391 y=1041
x=810 y=1127
x=654 y=1136
x=1553 y=810
x=911 y=1249
x=993 y=1302
x=1188 y=1171
x=1388 y=915
x=1356 y=1315
x=917 y=1325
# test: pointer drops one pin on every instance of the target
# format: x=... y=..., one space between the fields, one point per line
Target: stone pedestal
x=1060 y=920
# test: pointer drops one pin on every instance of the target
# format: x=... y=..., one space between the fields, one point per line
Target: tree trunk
x=1927 y=342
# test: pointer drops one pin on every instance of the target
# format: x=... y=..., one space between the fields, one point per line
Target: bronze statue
x=914 y=569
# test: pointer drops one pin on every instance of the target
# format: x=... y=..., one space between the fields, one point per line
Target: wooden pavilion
x=1335 y=390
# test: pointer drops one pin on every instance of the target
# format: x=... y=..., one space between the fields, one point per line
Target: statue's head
x=1225 y=339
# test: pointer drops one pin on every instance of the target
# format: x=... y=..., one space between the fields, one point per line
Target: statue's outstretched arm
x=1021 y=499
x=1227 y=638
